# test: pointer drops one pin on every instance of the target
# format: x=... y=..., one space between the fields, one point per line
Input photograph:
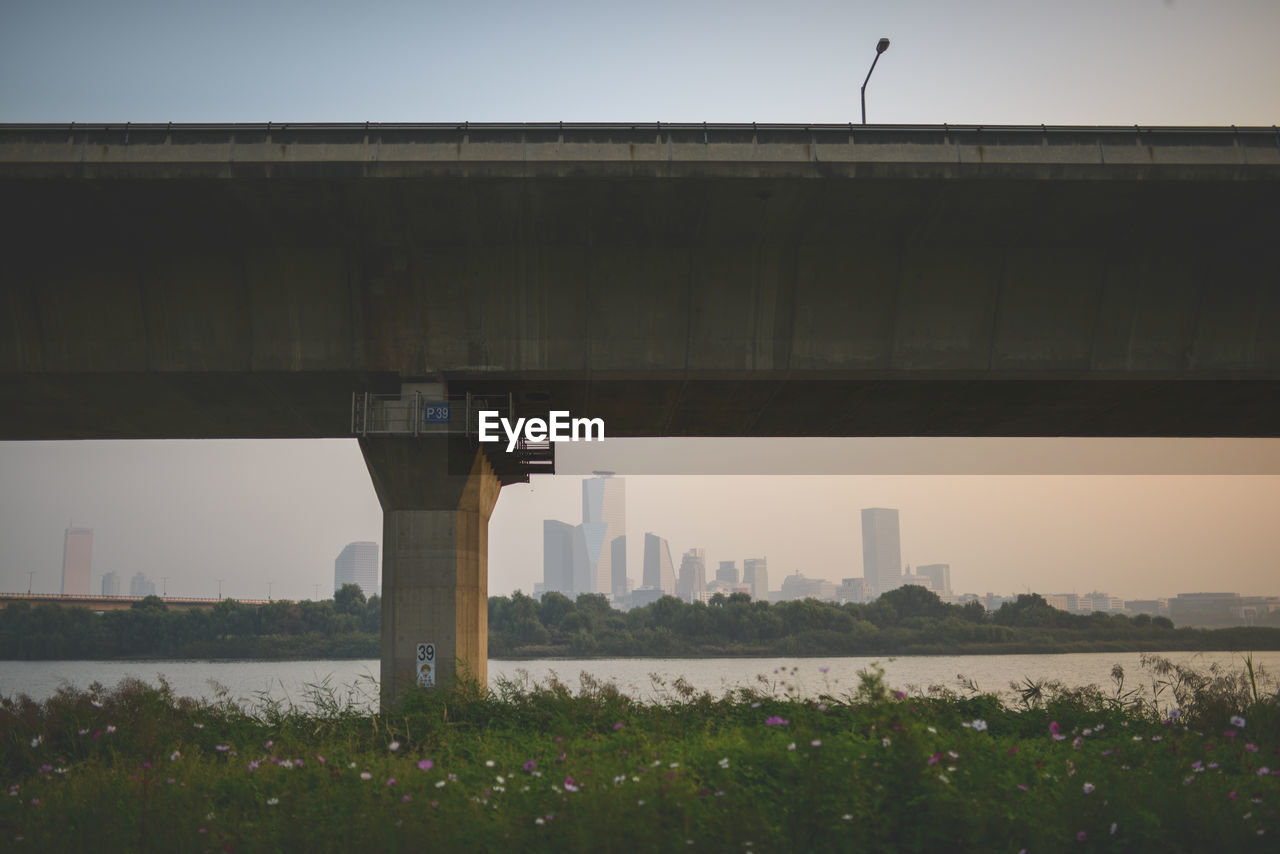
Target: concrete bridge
x=674 y=280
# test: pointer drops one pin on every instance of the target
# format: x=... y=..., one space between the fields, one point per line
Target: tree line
x=909 y=620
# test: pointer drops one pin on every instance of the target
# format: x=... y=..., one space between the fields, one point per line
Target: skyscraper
x=658 y=571
x=692 y=582
x=357 y=564
x=140 y=585
x=881 y=550
x=618 y=566
x=111 y=584
x=939 y=575
x=728 y=572
x=557 y=557
x=755 y=574
x=604 y=503
x=77 y=557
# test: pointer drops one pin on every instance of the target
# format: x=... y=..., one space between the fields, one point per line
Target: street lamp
x=881 y=47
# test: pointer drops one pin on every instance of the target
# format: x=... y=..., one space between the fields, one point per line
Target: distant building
x=728 y=572
x=852 y=590
x=797 y=586
x=77 y=558
x=557 y=557
x=618 y=567
x=755 y=575
x=881 y=550
x=604 y=504
x=1216 y=610
x=140 y=585
x=357 y=564
x=642 y=596
x=1151 y=607
x=111 y=584
x=658 y=571
x=939 y=575
x=691 y=585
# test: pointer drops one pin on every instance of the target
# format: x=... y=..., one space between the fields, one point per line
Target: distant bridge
x=118 y=603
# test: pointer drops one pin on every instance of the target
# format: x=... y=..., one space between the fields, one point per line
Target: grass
x=541 y=768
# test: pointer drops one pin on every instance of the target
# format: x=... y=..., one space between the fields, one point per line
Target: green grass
x=539 y=768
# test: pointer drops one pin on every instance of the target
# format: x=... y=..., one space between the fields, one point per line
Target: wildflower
x=365 y=775
x=675 y=764
x=1264 y=771
x=775 y=720
x=111 y=728
x=724 y=763
x=272 y=801
x=1251 y=747
x=84 y=731
x=1024 y=788
x=35 y=742
x=1080 y=837
x=320 y=759
x=196 y=725
x=222 y=748
x=440 y=784
x=393 y=746
x=1055 y=731
x=817 y=742
x=253 y=765
x=405 y=799
x=847 y=817
x=539 y=820
x=391 y=781
x=268 y=745
x=570 y=785
x=885 y=742
x=1157 y=738
x=1197 y=765
x=943 y=778
x=1113 y=828
x=1228 y=733
x=501 y=780
x=901 y=695
x=979 y=724
x=1088 y=788
x=640 y=802
x=488 y=763
x=1232 y=795
x=933 y=760
x=756 y=704
x=619 y=725
x=297 y=763
x=175 y=756
x=791 y=746
x=1237 y=722
x=1077 y=742
x=425 y=764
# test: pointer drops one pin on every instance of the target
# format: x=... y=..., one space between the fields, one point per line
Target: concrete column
x=437 y=496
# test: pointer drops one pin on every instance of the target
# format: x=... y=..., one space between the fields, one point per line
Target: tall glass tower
x=604 y=520
x=881 y=550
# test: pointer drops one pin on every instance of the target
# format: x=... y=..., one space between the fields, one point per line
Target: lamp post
x=881 y=47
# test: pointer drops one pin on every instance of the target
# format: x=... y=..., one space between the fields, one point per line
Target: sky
x=1136 y=519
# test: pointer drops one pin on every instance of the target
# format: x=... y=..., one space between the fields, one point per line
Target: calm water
x=250 y=681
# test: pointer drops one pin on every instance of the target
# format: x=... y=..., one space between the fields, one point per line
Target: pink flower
x=1088 y=788
x=775 y=720
x=619 y=725
x=405 y=799
x=530 y=765
x=933 y=760
x=425 y=765
x=1023 y=788
x=365 y=775
x=816 y=742
x=1080 y=837
x=391 y=782
x=570 y=785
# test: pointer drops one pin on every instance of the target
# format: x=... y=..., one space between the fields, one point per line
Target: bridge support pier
x=437 y=496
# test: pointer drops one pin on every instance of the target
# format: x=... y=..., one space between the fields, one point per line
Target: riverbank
x=543 y=768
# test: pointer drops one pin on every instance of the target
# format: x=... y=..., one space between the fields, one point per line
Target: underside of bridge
x=247 y=281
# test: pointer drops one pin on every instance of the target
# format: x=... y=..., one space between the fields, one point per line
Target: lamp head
x=882 y=45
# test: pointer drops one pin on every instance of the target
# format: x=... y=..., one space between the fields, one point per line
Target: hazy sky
x=254 y=512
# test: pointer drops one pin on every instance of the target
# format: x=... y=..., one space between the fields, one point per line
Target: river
x=355 y=681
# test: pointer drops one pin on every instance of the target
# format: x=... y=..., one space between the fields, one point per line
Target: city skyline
x=219 y=513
